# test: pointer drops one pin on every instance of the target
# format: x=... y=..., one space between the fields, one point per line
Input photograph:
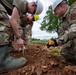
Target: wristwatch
x=18 y=37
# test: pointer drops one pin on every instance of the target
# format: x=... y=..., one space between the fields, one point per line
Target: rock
x=38 y=71
x=70 y=70
x=44 y=67
x=33 y=69
x=53 y=64
x=23 y=72
x=26 y=73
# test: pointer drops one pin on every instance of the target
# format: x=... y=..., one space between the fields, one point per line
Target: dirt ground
x=40 y=61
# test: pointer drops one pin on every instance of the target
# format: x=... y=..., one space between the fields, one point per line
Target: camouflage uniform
x=25 y=29
x=67 y=34
x=4 y=26
x=6 y=7
x=7 y=61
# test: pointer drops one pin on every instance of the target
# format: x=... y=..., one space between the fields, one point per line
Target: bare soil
x=40 y=61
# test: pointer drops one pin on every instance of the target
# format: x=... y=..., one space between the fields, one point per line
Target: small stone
x=23 y=71
x=33 y=69
x=38 y=71
x=44 y=67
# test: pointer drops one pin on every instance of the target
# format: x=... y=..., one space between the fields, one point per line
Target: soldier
x=67 y=34
x=15 y=8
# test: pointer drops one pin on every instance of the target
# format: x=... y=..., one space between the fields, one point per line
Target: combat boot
x=8 y=62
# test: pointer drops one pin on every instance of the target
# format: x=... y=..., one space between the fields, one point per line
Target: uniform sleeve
x=21 y=5
x=72 y=14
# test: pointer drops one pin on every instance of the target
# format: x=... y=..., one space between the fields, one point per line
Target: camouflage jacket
x=68 y=20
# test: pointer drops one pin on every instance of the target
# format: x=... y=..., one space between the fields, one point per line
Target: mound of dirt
x=40 y=61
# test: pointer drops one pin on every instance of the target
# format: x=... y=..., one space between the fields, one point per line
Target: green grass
x=39 y=41
x=55 y=51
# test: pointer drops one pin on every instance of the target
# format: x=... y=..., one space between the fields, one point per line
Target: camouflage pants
x=68 y=50
x=5 y=29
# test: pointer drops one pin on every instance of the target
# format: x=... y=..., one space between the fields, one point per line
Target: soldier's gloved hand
x=20 y=42
x=52 y=43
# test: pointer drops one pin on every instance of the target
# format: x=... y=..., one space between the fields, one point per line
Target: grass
x=39 y=41
x=55 y=51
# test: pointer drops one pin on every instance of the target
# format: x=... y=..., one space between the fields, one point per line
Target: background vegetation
x=50 y=22
x=39 y=41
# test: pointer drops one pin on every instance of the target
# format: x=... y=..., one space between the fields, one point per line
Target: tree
x=50 y=22
x=71 y=1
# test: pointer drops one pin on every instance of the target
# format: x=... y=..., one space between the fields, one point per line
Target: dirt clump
x=40 y=61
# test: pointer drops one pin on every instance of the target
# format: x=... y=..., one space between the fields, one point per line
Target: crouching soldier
x=15 y=8
x=67 y=34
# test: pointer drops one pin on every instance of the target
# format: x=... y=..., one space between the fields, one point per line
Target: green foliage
x=38 y=41
x=71 y=1
x=35 y=39
x=50 y=22
x=55 y=51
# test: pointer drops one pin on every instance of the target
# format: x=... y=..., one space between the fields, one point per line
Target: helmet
x=36 y=17
x=39 y=7
x=31 y=1
x=56 y=3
